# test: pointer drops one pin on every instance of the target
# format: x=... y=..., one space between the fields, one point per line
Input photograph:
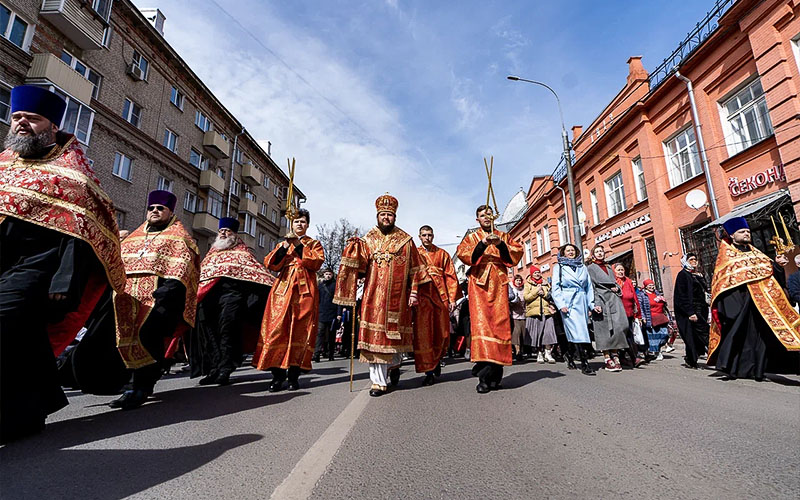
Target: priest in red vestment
x=490 y=253
x=437 y=299
x=389 y=260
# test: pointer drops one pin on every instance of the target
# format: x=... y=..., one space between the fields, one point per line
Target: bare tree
x=334 y=238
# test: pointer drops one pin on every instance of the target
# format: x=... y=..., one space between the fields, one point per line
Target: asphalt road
x=662 y=431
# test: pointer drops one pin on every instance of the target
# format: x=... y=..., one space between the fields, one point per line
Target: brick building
x=143 y=116
x=637 y=162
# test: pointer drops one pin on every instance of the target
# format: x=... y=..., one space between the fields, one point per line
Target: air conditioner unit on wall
x=135 y=72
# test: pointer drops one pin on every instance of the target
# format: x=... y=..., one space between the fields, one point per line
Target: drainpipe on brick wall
x=566 y=210
x=233 y=167
x=700 y=144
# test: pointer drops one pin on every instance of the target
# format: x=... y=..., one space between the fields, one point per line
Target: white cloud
x=468 y=107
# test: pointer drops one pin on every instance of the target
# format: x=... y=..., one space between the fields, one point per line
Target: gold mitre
x=386 y=203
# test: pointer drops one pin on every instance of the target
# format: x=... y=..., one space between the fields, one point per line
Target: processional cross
x=291 y=209
x=781 y=246
x=490 y=191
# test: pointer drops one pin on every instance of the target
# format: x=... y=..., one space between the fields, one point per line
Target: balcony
x=46 y=66
x=248 y=206
x=211 y=180
x=251 y=174
x=78 y=21
x=216 y=145
x=205 y=223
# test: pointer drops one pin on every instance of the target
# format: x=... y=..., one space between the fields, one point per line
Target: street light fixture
x=576 y=228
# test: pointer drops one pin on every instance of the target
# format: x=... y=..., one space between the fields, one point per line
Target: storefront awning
x=749 y=208
x=618 y=256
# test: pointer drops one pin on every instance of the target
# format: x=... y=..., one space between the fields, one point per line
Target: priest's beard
x=385 y=229
x=223 y=243
x=30 y=145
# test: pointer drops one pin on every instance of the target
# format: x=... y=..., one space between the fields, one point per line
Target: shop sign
x=644 y=219
x=738 y=187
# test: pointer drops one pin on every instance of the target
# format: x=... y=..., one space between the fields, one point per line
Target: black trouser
x=227 y=336
x=152 y=335
x=279 y=374
x=326 y=338
x=488 y=372
x=695 y=337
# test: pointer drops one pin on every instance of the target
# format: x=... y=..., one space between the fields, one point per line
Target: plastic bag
x=638 y=337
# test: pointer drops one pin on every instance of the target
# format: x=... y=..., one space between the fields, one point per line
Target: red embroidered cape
x=237 y=262
x=62 y=193
x=170 y=254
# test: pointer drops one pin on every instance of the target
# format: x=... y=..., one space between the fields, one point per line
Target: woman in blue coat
x=574 y=297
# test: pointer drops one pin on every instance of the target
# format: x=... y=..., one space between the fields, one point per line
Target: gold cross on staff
x=490 y=192
x=781 y=245
x=291 y=210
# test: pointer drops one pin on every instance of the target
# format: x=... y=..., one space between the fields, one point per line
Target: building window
x=170 y=140
x=703 y=243
x=78 y=118
x=528 y=251
x=274 y=216
x=266 y=182
x=652 y=262
x=263 y=208
x=546 y=237
x=5 y=104
x=164 y=183
x=120 y=218
x=746 y=118
x=14 y=29
x=202 y=121
x=638 y=179
x=581 y=215
x=176 y=98
x=198 y=160
x=563 y=236
x=595 y=206
x=237 y=155
x=190 y=202
x=235 y=187
x=262 y=238
x=539 y=243
x=132 y=112
x=220 y=172
x=250 y=195
x=103 y=8
x=249 y=224
x=215 y=204
x=683 y=162
x=83 y=70
x=138 y=61
x=277 y=191
x=123 y=166
x=615 y=195
x=107 y=36
x=272 y=244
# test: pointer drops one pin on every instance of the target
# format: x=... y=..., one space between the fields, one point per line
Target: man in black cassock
x=755 y=329
x=50 y=252
x=326 y=331
x=231 y=298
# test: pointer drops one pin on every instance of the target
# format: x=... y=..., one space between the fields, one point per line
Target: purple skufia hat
x=161 y=197
x=229 y=223
x=735 y=224
x=41 y=101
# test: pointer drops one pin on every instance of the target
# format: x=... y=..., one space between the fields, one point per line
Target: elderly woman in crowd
x=654 y=318
x=691 y=308
x=539 y=316
x=517 y=306
x=610 y=323
x=633 y=311
x=573 y=295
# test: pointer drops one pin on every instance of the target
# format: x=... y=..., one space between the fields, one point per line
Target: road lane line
x=299 y=484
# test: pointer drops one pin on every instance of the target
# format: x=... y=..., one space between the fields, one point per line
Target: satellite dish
x=696 y=199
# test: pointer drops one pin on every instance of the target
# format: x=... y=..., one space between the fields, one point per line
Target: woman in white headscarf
x=691 y=309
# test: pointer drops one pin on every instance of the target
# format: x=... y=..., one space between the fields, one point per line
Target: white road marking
x=299 y=484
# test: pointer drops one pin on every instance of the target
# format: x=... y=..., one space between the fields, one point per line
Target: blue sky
x=409 y=96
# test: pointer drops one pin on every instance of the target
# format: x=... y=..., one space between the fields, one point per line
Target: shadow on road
x=520 y=379
x=108 y=474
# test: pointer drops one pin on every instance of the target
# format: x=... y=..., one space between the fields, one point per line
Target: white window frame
x=249 y=224
x=214 y=203
x=562 y=230
x=82 y=108
x=190 y=201
x=120 y=216
x=539 y=243
x=202 y=163
x=528 y=252
x=612 y=190
x=105 y=15
x=264 y=208
x=738 y=142
x=595 y=206
x=235 y=187
x=796 y=50
x=638 y=178
x=107 y=31
x=6 y=117
x=170 y=140
x=546 y=237
x=130 y=104
x=250 y=195
x=673 y=153
x=118 y=168
x=139 y=60
x=165 y=183
x=29 y=29
x=266 y=181
x=202 y=121
x=176 y=97
x=274 y=216
x=262 y=238
x=579 y=206
x=73 y=63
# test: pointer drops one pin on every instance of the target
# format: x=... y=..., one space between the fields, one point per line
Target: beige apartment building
x=143 y=116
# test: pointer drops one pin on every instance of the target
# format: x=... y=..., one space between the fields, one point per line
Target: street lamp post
x=576 y=227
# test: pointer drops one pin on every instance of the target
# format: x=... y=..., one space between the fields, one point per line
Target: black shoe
x=330 y=358
x=129 y=400
x=429 y=380
x=376 y=393
x=586 y=369
x=495 y=386
x=294 y=385
x=438 y=370
x=209 y=379
x=276 y=386
x=315 y=359
x=394 y=376
x=224 y=378
x=482 y=388
x=520 y=358
x=571 y=364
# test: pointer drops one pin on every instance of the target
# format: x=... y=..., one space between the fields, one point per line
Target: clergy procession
x=139 y=299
